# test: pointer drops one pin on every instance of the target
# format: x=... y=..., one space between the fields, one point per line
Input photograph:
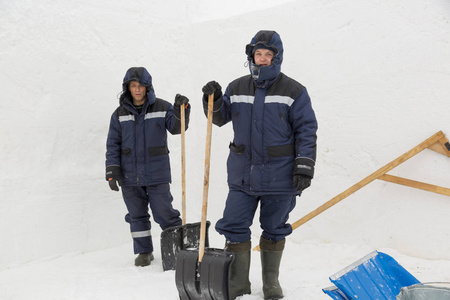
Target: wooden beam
x=442 y=146
x=386 y=168
x=438 y=137
x=416 y=184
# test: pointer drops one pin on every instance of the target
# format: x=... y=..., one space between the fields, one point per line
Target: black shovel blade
x=177 y=238
x=207 y=280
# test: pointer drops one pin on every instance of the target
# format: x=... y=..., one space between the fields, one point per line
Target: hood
x=141 y=75
x=266 y=39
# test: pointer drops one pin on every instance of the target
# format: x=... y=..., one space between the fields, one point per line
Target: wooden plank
x=383 y=170
x=402 y=158
x=416 y=184
x=442 y=146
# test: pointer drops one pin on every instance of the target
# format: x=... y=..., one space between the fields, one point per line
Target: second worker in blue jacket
x=137 y=157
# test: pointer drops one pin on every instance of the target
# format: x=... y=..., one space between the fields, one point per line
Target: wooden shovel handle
x=183 y=165
x=201 y=250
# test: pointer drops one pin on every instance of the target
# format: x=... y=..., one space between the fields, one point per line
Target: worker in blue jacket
x=271 y=158
x=137 y=157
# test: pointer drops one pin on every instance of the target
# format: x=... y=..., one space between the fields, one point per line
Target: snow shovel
x=335 y=293
x=177 y=238
x=375 y=276
x=202 y=274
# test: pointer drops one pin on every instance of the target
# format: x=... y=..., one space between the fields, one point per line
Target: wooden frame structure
x=437 y=142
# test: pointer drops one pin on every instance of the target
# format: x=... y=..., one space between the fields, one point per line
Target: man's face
x=138 y=92
x=263 y=57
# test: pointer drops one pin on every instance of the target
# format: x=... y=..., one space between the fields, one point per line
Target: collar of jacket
x=263 y=84
x=126 y=100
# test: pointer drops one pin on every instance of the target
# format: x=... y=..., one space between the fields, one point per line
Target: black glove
x=303 y=173
x=211 y=87
x=301 y=182
x=113 y=184
x=180 y=99
x=114 y=177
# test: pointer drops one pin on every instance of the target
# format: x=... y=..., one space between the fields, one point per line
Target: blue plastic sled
x=375 y=276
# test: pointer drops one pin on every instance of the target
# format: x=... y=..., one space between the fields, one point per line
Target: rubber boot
x=238 y=280
x=271 y=253
x=143 y=259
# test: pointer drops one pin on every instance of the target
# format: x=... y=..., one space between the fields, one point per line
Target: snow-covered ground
x=377 y=71
x=109 y=274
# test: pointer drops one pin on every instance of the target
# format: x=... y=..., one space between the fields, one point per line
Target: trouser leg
x=161 y=200
x=274 y=215
x=237 y=217
x=135 y=198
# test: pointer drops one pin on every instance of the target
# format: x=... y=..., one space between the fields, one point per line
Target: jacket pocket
x=126 y=152
x=236 y=165
x=279 y=172
x=281 y=151
x=155 y=151
x=238 y=149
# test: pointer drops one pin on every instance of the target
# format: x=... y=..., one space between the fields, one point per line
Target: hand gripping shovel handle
x=183 y=165
x=201 y=250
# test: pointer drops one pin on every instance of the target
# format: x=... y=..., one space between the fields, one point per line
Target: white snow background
x=378 y=73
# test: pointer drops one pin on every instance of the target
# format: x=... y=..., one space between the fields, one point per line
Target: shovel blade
x=207 y=280
x=177 y=238
x=375 y=276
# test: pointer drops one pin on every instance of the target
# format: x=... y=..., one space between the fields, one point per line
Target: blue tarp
x=375 y=276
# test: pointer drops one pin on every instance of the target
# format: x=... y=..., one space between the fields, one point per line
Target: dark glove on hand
x=211 y=87
x=180 y=99
x=303 y=173
x=114 y=177
x=113 y=184
x=301 y=182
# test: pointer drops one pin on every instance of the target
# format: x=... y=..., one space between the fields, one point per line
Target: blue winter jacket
x=137 y=142
x=273 y=122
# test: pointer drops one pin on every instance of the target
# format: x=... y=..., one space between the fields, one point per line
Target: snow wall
x=378 y=73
